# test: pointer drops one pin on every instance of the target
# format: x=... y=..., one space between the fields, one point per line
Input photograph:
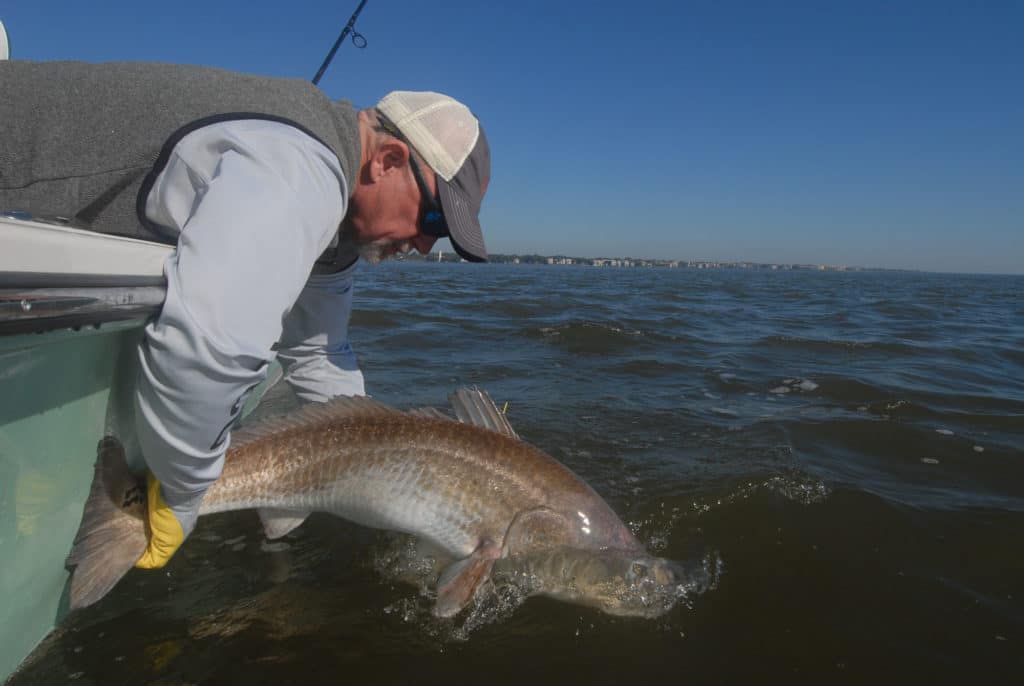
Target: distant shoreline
x=634 y=262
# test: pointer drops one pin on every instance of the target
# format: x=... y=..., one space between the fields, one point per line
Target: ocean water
x=850 y=445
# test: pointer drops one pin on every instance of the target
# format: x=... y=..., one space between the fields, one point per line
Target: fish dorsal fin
x=474 y=406
x=311 y=414
x=429 y=413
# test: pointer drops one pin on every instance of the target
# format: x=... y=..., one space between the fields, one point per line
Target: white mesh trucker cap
x=450 y=139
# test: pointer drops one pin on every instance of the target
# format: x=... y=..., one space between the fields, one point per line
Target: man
x=251 y=178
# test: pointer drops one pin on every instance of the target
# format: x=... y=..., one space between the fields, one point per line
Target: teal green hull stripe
x=58 y=392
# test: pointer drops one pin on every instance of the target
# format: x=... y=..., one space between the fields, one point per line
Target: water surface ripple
x=850 y=445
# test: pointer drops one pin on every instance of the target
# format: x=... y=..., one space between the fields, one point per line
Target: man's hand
x=168 y=525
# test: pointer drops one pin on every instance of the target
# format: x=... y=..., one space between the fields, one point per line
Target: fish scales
x=428 y=472
x=487 y=498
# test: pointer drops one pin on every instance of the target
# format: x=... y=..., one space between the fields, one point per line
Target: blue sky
x=866 y=133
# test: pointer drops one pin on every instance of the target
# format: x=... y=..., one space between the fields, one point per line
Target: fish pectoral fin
x=277 y=523
x=459 y=581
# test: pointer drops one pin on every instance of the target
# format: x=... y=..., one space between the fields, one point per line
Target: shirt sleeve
x=255 y=203
x=315 y=352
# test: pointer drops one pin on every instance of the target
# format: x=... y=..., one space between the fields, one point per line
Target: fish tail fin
x=112 y=535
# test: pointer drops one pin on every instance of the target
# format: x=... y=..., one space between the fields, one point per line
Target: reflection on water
x=848 y=444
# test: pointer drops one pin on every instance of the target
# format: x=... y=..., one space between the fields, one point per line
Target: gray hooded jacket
x=86 y=141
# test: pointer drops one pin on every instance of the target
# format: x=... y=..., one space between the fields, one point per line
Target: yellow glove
x=165 y=531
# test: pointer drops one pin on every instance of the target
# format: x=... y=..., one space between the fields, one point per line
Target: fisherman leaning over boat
x=251 y=177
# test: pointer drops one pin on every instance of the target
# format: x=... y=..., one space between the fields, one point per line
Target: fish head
x=624 y=583
x=588 y=525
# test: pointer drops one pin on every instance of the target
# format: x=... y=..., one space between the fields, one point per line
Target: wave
x=590 y=338
x=817 y=344
x=648 y=368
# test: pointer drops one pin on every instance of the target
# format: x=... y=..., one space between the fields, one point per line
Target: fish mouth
x=619 y=583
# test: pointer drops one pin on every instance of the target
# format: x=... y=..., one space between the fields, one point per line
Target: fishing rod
x=358 y=40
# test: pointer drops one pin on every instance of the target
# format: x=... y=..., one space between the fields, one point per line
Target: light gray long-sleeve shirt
x=254 y=203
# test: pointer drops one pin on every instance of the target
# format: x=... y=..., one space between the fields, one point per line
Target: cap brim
x=461 y=198
x=463 y=223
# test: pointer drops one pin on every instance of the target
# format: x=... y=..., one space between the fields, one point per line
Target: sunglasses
x=432 y=221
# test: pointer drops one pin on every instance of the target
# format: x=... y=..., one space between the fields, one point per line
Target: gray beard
x=376 y=251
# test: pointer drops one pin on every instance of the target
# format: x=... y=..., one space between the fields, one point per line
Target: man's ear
x=391 y=154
